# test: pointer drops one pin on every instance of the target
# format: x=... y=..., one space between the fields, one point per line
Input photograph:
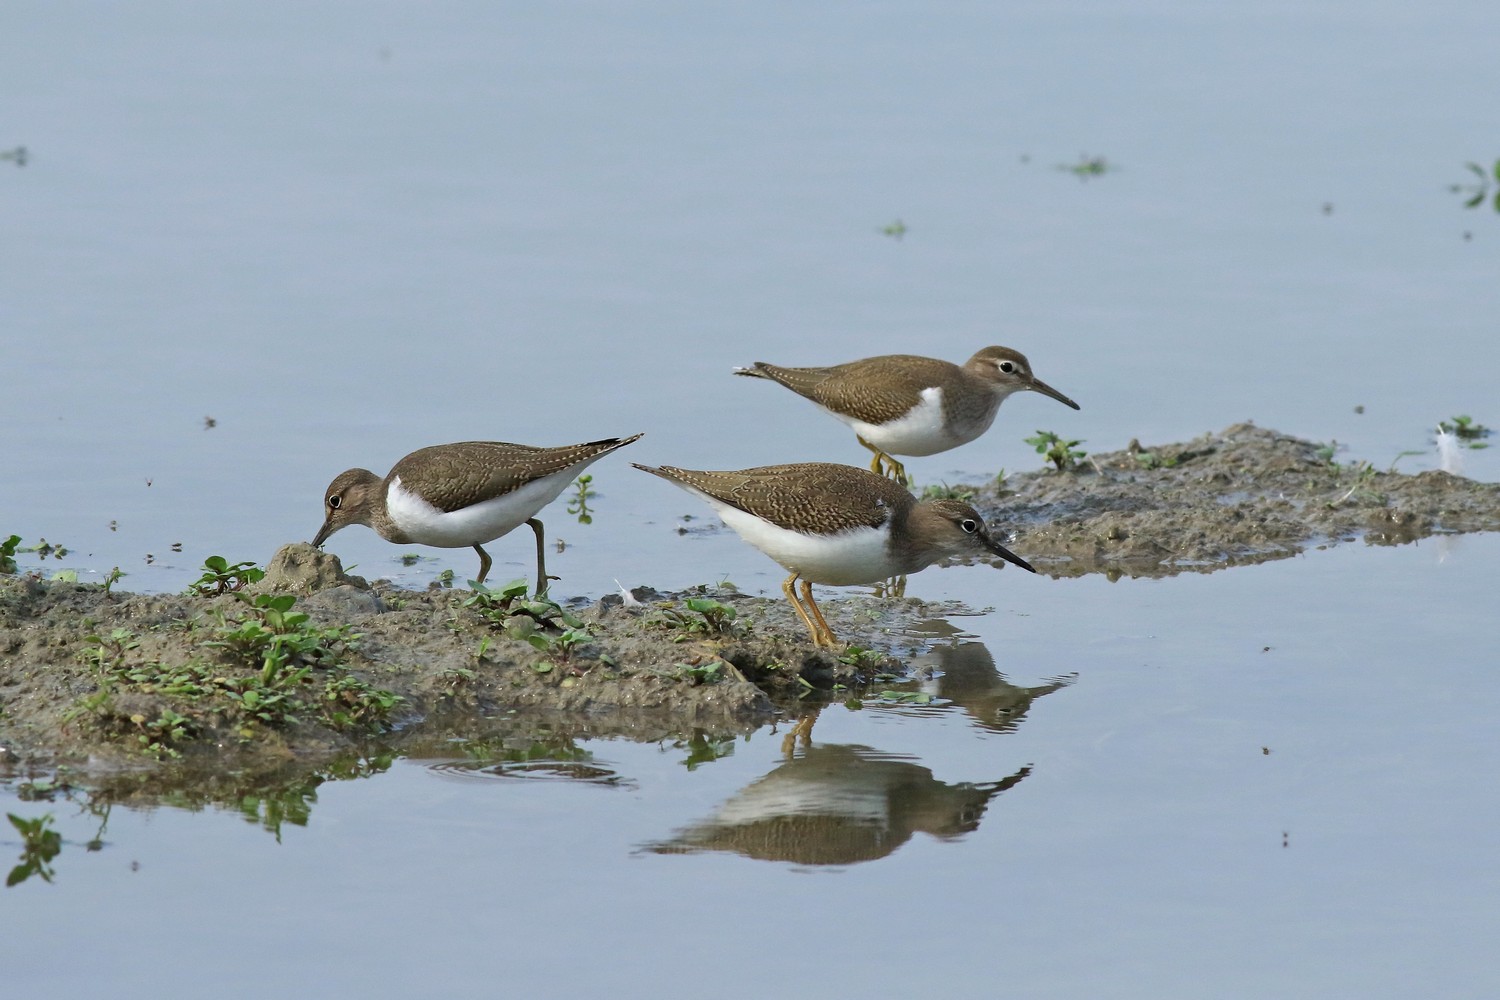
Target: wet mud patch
x=1244 y=495
x=181 y=682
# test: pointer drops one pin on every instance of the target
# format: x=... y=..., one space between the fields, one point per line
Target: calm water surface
x=344 y=232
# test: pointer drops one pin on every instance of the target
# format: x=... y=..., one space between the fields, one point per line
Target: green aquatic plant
x=39 y=845
x=905 y=697
x=540 y=622
x=350 y=703
x=1477 y=192
x=701 y=616
x=1152 y=460
x=860 y=656
x=107 y=653
x=1062 y=454
x=222 y=577
x=8 y=553
x=710 y=672
x=44 y=548
x=278 y=638
x=1087 y=166
x=704 y=749
x=1470 y=432
x=895 y=230
x=942 y=491
x=578 y=506
x=159 y=737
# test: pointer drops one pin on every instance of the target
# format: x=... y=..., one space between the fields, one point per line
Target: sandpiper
x=836 y=525
x=456 y=495
x=902 y=404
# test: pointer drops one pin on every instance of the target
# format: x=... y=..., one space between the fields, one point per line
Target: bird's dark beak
x=322 y=535
x=1037 y=385
x=1009 y=556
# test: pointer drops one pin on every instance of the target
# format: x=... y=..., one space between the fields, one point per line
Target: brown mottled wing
x=812 y=496
x=874 y=390
x=455 y=476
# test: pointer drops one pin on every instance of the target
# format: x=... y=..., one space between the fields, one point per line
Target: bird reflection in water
x=964 y=673
x=834 y=804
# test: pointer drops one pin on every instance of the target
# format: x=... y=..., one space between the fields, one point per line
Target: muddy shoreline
x=157 y=695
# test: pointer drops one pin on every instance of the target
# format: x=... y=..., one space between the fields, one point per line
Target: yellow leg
x=884 y=465
x=791 y=595
x=824 y=636
x=541 y=558
x=801 y=732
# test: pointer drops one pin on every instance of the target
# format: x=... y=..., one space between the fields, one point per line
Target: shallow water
x=344 y=234
x=1201 y=814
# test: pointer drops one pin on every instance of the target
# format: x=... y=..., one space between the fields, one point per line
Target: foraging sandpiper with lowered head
x=460 y=495
x=836 y=525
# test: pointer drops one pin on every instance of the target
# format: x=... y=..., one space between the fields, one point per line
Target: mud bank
x=1244 y=495
x=224 y=694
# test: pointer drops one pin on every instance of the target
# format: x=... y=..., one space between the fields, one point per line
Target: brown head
x=937 y=529
x=349 y=499
x=1008 y=371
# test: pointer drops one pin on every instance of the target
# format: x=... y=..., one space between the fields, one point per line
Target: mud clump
x=1244 y=495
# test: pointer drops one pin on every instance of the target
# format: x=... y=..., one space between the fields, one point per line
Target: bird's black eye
x=334 y=501
x=969 y=525
x=1008 y=367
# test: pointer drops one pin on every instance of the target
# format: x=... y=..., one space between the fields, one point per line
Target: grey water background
x=347 y=231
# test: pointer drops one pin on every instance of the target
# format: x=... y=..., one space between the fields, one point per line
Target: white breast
x=920 y=431
x=858 y=556
x=426 y=525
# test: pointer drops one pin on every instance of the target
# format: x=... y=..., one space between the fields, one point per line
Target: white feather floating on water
x=1450 y=453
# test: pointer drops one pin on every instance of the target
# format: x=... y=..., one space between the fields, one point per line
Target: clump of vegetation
x=1087 y=166
x=1151 y=459
x=905 y=697
x=1479 y=191
x=895 y=230
x=266 y=666
x=8 y=553
x=39 y=845
x=703 y=748
x=942 y=491
x=1362 y=489
x=280 y=639
x=1470 y=432
x=710 y=672
x=538 y=621
x=220 y=577
x=701 y=616
x=860 y=656
x=578 y=506
x=44 y=548
x=1062 y=454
